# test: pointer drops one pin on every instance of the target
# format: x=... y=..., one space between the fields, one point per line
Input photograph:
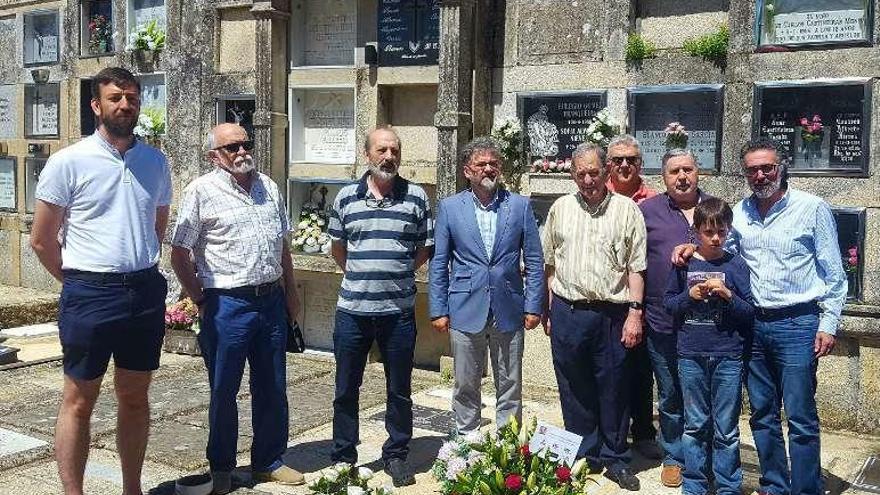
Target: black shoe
x=400 y=472
x=648 y=449
x=625 y=478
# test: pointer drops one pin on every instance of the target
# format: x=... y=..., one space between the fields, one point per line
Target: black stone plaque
x=822 y=127
x=409 y=32
x=795 y=23
x=851 y=241
x=697 y=108
x=554 y=124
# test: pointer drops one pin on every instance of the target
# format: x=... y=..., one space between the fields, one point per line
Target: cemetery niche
x=7 y=183
x=797 y=23
x=851 y=241
x=41 y=110
x=87 y=120
x=823 y=127
x=322 y=126
x=310 y=205
x=238 y=109
x=698 y=108
x=554 y=124
x=96 y=27
x=325 y=34
x=409 y=32
x=40 y=38
x=33 y=165
x=8 y=112
x=142 y=12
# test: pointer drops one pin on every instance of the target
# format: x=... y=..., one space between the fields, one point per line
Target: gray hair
x=380 y=128
x=627 y=140
x=675 y=153
x=584 y=149
x=766 y=144
x=477 y=145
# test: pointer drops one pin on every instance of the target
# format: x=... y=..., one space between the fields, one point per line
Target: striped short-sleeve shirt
x=381 y=237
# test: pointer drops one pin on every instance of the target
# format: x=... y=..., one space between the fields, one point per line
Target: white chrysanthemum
x=311 y=241
x=303 y=224
x=365 y=473
x=447 y=451
x=354 y=490
x=331 y=475
x=473 y=437
x=455 y=466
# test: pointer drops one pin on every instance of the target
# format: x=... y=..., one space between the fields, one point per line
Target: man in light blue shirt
x=788 y=239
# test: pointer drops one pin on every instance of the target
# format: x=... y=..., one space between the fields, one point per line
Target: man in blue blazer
x=477 y=290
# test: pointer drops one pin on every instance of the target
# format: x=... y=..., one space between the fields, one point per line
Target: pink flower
x=853 y=251
x=817 y=118
x=804 y=122
x=853 y=261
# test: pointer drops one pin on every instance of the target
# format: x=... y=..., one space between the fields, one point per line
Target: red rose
x=513 y=482
x=563 y=474
x=524 y=450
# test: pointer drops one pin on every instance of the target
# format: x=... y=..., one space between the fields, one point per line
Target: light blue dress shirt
x=792 y=254
x=487 y=220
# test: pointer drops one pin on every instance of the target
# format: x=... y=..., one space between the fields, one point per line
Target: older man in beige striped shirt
x=594 y=253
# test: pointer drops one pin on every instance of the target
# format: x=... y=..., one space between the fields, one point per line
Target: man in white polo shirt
x=101 y=213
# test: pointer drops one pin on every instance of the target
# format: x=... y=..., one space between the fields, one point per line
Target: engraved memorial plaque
x=8 y=113
x=329 y=126
x=41 y=37
x=145 y=11
x=330 y=32
x=152 y=91
x=554 y=124
x=409 y=32
x=822 y=126
x=796 y=22
x=7 y=183
x=41 y=104
x=697 y=108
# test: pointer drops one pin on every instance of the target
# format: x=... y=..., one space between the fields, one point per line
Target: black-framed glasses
x=766 y=169
x=234 y=147
x=632 y=160
x=378 y=203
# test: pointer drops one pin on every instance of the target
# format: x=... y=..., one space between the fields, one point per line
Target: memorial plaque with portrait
x=554 y=124
x=41 y=110
x=822 y=126
x=238 y=110
x=817 y=22
x=8 y=113
x=697 y=108
x=7 y=183
x=330 y=32
x=328 y=126
x=851 y=241
x=409 y=32
x=40 y=38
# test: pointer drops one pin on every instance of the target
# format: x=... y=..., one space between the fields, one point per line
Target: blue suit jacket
x=465 y=283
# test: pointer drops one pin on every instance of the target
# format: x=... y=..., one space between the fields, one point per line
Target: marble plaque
x=330 y=32
x=32 y=168
x=329 y=126
x=319 y=308
x=8 y=113
x=698 y=110
x=144 y=11
x=41 y=38
x=409 y=32
x=555 y=124
x=553 y=32
x=7 y=183
x=795 y=22
x=41 y=102
x=823 y=126
x=152 y=90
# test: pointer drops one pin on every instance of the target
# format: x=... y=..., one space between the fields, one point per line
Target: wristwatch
x=636 y=305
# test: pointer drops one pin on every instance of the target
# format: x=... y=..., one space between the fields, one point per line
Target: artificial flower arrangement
x=851 y=260
x=811 y=129
x=311 y=230
x=150 y=125
x=600 y=131
x=182 y=315
x=149 y=37
x=345 y=479
x=509 y=138
x=676 y=136
x=502 y=464
x=100 y=36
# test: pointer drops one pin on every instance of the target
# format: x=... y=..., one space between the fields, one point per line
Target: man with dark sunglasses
x=231 y=254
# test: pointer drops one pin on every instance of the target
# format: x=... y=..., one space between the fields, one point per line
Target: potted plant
x=181 y=328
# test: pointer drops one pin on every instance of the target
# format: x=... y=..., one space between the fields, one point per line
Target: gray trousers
x=469 y=355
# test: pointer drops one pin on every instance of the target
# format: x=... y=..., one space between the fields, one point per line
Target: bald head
x=223 y=134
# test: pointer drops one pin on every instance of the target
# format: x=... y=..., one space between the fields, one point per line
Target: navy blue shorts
x=118 y=315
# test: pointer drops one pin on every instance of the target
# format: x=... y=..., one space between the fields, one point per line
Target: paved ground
x=29 y=399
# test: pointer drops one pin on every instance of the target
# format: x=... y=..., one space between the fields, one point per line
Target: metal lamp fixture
x=41 y=76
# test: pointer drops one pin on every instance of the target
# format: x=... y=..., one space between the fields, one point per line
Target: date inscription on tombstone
x=7 y=183
x=329 y=126
x=555 y=124
x=796 y=22
x=330 y=32
x=409 y=32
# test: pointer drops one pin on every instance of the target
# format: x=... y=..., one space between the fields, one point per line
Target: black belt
x=770 y=314
x=587 y=305
x=250 y=290
x=124 y=278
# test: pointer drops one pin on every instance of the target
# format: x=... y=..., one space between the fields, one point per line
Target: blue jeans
x=352 y=339
x=664 y=358
x=783 y=369
x=712 y=391
x=235 y=329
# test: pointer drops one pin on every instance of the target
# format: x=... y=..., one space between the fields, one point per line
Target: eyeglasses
x=378 y=203
x=234 y=147
x=491 y=164
x=766 y=169
x=632 y=160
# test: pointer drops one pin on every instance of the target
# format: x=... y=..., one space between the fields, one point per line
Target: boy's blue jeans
x=711 y=389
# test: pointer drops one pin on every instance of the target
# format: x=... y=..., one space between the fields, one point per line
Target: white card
x=560 y=444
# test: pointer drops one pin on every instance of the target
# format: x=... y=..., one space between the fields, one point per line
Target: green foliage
x=711 y=47
x=638 y=49
x=148 y=37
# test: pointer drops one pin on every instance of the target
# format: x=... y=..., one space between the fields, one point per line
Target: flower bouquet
x=344 y=479
x=150 y=125
x=311 y=231
x=182 y=315
x=851 y=260
x=602 y=128
x=503 y=465
x=148 y=37
x=100 y=36
x=548 y=165
x=811 y=135
x=676 y=136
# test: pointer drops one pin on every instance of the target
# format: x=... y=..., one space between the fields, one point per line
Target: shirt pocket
x=791 y=242
x=461 y=282
x=615 y=251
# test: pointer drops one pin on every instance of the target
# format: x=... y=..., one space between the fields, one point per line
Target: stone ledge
x=22 y=306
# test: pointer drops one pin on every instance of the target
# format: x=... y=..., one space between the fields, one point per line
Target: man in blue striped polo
x=382 y=231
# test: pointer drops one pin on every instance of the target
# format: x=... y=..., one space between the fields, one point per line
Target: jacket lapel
x=501 y=222
x=467 y=205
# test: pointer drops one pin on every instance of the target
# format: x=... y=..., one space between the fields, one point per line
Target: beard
x=382 y=175
x=241 y=165
x=121 y=127
x=764 y=191
x=489 y=184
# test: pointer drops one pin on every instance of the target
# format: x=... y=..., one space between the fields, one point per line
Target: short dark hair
x=765 y=143
x=712 y=212
x=477 y=145
x=113 y=75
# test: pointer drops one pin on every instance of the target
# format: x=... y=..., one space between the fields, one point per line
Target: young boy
x=711 y=301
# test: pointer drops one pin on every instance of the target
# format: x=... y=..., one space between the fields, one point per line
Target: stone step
x=20 y=306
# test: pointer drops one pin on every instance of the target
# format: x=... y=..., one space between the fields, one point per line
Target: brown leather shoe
x=670 y=476
x=284 y=475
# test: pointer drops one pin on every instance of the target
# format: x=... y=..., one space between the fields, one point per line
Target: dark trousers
x=352 y=339
x=589 y=361
x=235 y=329
x=641 y=393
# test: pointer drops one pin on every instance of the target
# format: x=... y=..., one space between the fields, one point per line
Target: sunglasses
x=632 y=160
x=766 y=169
x=234 y=147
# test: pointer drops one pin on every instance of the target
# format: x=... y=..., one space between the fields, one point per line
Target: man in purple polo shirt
x=668 y=219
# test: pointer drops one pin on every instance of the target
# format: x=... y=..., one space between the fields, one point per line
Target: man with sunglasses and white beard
x=231 y=254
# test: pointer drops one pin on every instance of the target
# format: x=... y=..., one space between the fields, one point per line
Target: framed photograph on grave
x=41 y=28
x=851 y=240
x=96 y=28
x=41 y=110
x=823 y=126
x=8 y=176
x=799 y=23
x=237 y=109
x=408 y=32
x=142 y=12
x=324 y=34
x=554 y=124
x=8 y=111
x=322 y=126
x=32 y=167
x=697 y=107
